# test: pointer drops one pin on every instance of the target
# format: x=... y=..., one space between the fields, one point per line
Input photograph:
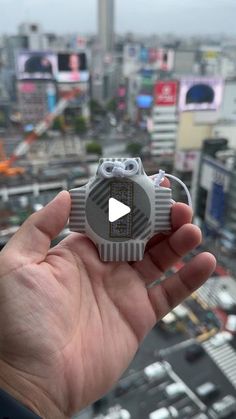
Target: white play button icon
x=117 y=210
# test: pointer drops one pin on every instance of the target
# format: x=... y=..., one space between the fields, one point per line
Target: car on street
x=174 y=390
x=225 y=300
x=221 y=338
x=194 y=352
x=224 y=407
x=207 y=391
x=116 y=412
x=124 y=386
x=231 y=323
x=155 y=371
x=164 y=413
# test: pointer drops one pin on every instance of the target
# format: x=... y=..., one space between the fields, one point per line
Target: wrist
x=28 y=394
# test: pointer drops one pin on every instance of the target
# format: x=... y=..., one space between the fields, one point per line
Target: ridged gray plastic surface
x=125 y=239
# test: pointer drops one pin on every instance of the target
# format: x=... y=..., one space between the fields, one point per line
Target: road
x=199 y=372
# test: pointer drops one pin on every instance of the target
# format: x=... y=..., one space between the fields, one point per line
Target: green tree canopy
x=80 y=125
x=94 y=148
x=134 y=149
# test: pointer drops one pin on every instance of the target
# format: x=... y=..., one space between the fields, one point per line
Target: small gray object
x=125 y=239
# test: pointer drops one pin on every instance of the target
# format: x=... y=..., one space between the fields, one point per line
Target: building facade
x=106 y=25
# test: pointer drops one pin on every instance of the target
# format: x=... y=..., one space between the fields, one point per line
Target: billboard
x=144 y=101
x=200 y=93
x=78 y=43
x=72 y=68
x=121 y=91
x=144 y=55
x=36 y=65
x=216 y=206
x=78 y=100
x=215 y=182
x=131 y=52
x=36 y=99
x=121 y=106
x=165 y=59
x=165 y=93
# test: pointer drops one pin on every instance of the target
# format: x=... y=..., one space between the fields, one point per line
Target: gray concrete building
x=106 y=14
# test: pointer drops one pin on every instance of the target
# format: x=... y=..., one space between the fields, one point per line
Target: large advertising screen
x=36 y=65
x=165 y=93
x=165 y=59
x=162 y=59
x=144 y=55
x=200 y=94
x=144 y=101
x=72 y=68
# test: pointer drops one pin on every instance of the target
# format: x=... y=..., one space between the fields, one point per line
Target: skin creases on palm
x=71 y=324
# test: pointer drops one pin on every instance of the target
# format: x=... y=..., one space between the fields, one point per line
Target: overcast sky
x=140 y=16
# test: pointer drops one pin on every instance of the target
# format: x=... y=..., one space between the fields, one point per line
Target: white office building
x=164 y=131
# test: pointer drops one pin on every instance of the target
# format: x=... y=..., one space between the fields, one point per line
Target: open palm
x=69 y=323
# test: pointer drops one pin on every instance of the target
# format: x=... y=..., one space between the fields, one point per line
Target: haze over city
x=139 y=16
x=104 y=98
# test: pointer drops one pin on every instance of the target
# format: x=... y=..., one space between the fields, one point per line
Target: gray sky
x=141 y=16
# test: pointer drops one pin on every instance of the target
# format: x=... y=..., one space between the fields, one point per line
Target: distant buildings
x=105 y=68
x=39 y=68
x=165 y=120
x=106 y=14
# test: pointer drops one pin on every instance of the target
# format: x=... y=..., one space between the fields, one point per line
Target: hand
x=69 y=323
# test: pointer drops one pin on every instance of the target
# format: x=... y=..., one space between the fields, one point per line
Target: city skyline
x=138 y=16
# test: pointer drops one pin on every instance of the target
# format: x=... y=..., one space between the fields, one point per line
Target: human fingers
x=173 y=290
x=180 y=214
x=165 y=183
x=165 y=254
x=32 y=240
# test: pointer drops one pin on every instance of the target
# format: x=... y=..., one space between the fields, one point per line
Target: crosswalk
x=208 y=293
x=225 y=358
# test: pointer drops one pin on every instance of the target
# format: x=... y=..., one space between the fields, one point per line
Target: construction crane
x=23 y=147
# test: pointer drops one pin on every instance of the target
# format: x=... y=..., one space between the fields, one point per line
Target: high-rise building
x=34 y=34
x=164 y=119
x=106 y=25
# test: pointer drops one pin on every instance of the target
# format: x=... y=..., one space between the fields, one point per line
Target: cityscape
x=68 y=100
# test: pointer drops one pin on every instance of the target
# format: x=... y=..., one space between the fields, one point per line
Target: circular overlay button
x=135 y=225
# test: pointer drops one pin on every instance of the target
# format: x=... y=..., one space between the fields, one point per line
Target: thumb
x=31 y=242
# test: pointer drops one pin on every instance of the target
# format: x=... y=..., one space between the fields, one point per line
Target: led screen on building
x=72 y=68
x=144 y=101
x=36 y=65
x=200 y=94
x=165 y=59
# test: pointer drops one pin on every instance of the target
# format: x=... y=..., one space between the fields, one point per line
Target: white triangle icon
x=117 y=210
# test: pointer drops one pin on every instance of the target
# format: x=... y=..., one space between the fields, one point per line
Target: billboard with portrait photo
x=72 y=68
x=36 y=65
